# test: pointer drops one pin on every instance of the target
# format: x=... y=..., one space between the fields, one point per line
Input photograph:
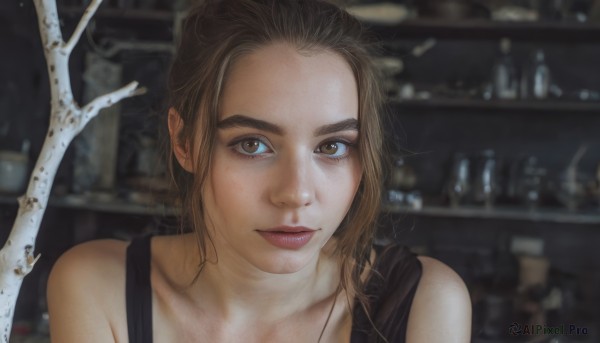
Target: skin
x=288 y=180
x=260 y=178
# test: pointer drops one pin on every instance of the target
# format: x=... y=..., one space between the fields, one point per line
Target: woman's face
x=285 y=169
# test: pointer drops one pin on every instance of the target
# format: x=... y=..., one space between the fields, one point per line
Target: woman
x=276 y=151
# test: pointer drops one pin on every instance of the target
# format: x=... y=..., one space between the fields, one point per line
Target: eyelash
x=235 y=147
x=336 y=140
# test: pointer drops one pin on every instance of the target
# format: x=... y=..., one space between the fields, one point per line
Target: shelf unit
x=476 y=31
x=554 y=215
x=121 y=13
x=500 y=212
x=158 y=25
x=501 y=105
x=483 y=29
x=115 y=205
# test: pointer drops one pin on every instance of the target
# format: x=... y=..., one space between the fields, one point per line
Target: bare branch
x=17 y=257
x=91 y=109
x=83 y=22
x=48 y=24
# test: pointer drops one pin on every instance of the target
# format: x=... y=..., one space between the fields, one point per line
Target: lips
x=288 y=237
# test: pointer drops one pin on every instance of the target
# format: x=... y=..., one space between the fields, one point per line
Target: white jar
x=13 y=171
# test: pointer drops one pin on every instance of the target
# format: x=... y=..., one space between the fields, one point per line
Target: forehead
x=277 y=82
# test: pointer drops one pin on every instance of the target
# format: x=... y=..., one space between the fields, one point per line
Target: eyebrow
x=344 y=125
x=239 y=120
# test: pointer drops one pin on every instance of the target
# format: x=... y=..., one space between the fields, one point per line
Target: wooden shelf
x=554 y=215
x=127 y=24
x=115 y=205
x=483 y=29
x=122 y=13
x=500 y=105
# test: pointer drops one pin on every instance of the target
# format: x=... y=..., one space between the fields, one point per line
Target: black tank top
x=390 y=291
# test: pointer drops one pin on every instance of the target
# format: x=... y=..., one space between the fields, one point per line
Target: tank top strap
x=138 y=290
x=389 y=293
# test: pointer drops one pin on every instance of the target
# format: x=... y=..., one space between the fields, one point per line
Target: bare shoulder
x=441 y=309
x=439 y=278
x=91 y=264
x=92 y=250
x=86 y=292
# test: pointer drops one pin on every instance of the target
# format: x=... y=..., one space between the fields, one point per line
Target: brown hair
x=215 y=34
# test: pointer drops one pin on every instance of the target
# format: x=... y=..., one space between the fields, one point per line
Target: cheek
x=223 y=184
x=341 y=187
x=356 y=178
x=354 y=175
x=232 y=185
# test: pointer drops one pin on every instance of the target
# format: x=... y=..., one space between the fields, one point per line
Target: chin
x=287 y=262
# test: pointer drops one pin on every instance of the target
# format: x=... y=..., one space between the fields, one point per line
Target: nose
x=292 y=183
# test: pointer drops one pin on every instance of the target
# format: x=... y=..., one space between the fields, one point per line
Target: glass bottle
x=504 y=76
x=540 y=77
x=486 y=183
x=459 y=182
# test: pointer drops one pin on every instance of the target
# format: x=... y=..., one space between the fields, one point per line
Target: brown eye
x=334 y=149
x=250 y=146
x=330 y=148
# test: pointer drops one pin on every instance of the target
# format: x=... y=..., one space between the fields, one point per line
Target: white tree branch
x=85 y=19
x=66 y=120
x=90 y=110
x=57 y=59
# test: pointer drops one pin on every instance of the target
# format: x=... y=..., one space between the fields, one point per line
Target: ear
x=181 y=150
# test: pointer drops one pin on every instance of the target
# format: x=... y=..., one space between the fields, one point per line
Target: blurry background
x=494 y=106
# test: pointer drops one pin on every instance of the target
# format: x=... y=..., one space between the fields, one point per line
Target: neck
x=235 y=289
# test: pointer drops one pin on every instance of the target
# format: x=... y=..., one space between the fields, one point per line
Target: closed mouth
x=288 y=229
x=290 y=238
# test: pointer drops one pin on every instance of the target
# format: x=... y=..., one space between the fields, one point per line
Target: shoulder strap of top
x=138 y=291
x=389 y=291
